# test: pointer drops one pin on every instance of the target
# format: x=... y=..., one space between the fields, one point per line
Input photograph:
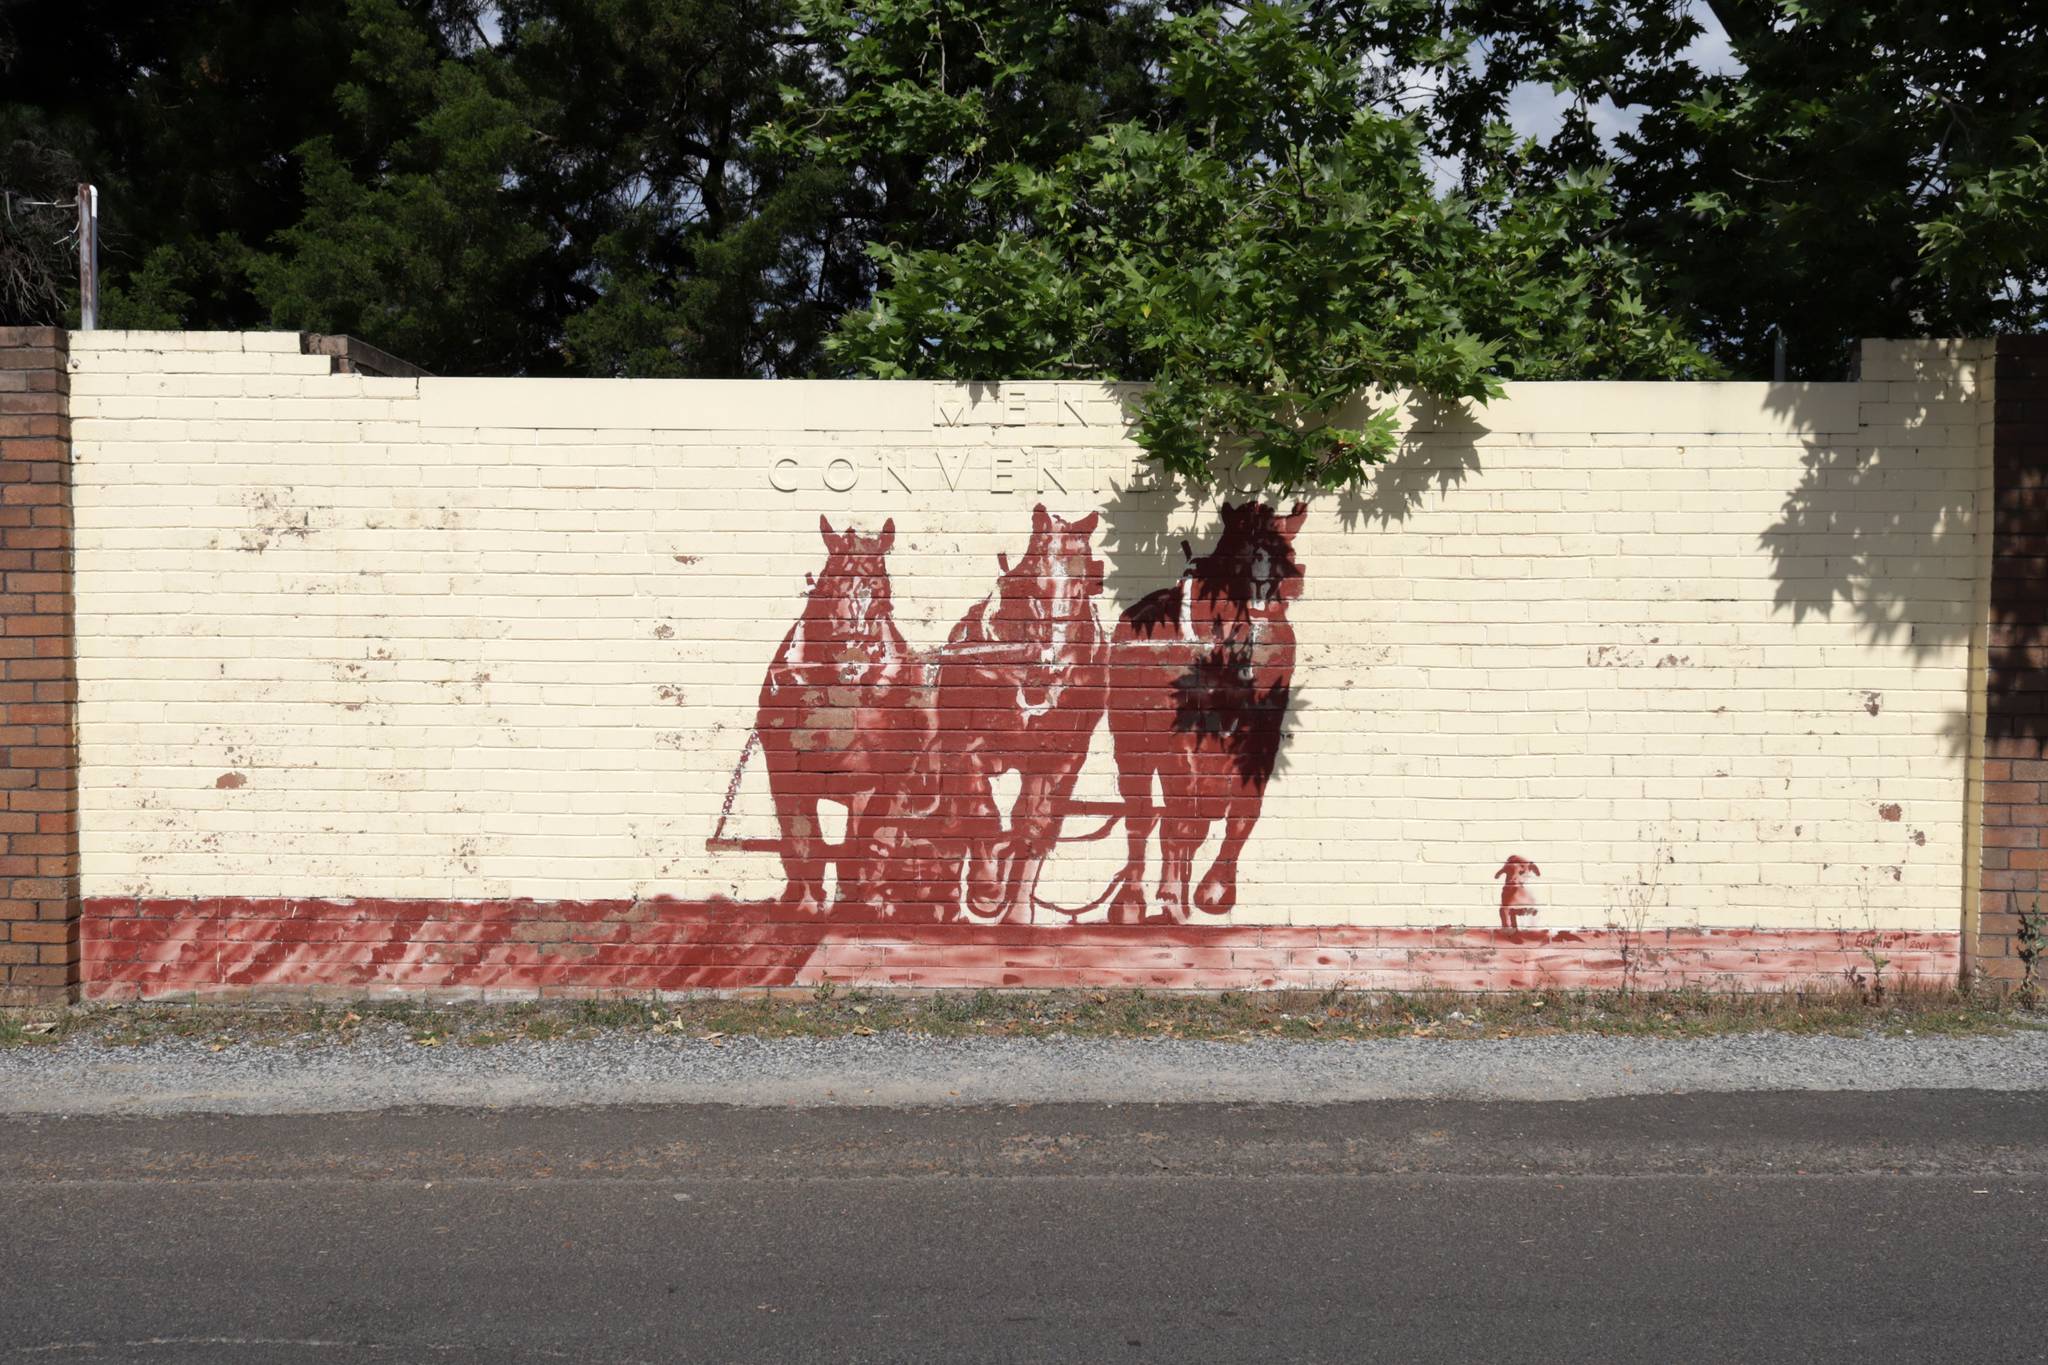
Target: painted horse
x=1020 y=689
x=844 y=715
x=1199 y=679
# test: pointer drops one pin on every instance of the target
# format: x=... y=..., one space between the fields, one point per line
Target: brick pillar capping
x=39 y=951
x=2015 y=863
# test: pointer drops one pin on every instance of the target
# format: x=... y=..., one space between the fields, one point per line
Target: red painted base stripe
x=140 y=948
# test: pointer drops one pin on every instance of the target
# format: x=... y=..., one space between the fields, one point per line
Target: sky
x=1537 y=111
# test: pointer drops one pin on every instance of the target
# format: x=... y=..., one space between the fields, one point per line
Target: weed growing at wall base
x=2030 y=946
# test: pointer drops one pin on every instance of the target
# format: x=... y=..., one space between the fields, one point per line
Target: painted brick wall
x=39 y=906
x=449 y=684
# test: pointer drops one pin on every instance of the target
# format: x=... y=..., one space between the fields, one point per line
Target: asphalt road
x=1816 y=1226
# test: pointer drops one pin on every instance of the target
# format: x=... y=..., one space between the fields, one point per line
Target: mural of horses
x=844 y=714
x=1020 y=689
x=1199 y=681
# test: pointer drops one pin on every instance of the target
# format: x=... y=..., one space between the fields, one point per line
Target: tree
x=882 y=116
x=184 y=112
x=251 y=160
x=705 y=210
x=686 y=241
x=533 y=186
x=419 y=230
x=1264 y=256
x=36 y=252
x=690 y=187
x=1860 y=167
x=1879 y=171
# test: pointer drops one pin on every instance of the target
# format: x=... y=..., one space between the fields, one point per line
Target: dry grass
x=1230 y=1016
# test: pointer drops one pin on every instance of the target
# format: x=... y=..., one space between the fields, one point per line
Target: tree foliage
x=417 y=226
x=1263 y=257
x=1856 y=168
x=184 y=113
x=1255 y=208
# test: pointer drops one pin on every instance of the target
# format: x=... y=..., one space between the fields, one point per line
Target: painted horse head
x=1054 y=584
x=849 y=617
x=1252 y=571
x=1045 y=605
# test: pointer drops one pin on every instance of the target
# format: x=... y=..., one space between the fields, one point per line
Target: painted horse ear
x=1003 y=560
x=825 y=530
x=1086 y=525
x=887 y=538
x=1041 y=520
x=1290 y=524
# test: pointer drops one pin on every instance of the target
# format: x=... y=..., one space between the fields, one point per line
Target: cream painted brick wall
x=1684 y=647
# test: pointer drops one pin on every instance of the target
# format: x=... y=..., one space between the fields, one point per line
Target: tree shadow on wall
x=1148 y=545
x=1214 y=705
x=1438 y=452
x=1884 y=535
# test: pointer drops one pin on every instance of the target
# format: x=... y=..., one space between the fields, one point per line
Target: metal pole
x=88 y=258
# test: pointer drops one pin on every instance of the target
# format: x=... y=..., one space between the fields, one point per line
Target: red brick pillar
x=2016 y=683
x=38 y=675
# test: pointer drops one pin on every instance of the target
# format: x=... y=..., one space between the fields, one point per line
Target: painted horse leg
x=859 y=893
x=1180 y=839
x=796 y=811
x=978 y=828
x=1218 y=892
x=1034 y=828
x=1140 y=815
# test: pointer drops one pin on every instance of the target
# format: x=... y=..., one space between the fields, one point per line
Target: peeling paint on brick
x=139 y=947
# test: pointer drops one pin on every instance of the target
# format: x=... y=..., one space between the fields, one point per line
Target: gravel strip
x=167 y=1077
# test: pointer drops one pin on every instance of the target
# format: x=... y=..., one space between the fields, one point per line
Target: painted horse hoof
x=1216 y=895
x=802 y=900
x=987 y=880
x=1128 y=907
